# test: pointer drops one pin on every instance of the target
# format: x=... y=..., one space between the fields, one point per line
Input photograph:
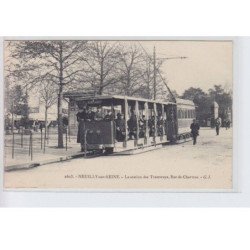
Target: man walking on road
x=217 y=125
x=194 y=130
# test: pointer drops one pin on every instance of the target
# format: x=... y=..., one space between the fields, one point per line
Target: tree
x=162 y=91
x=101 y=58
x=194 y=94
x=131 y=68
x=201 y=100
x=59 y=62
x=223 y=99
x=16 y=104
x=48 y=95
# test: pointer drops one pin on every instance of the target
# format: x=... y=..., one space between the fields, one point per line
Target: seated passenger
x=120 y=127
x=109 y=116
x=132 y=126
x=90 y=114
x=98 y=114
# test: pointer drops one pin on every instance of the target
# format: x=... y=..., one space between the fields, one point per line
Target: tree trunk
x=101 y=80
x=60 y=122
x=46 y=121
x=60 y=98
x=100 y=91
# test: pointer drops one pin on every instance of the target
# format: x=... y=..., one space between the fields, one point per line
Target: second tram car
x=114 y=123
x=185 y=115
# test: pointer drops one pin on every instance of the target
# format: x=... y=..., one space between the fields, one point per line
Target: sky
x=208 y=63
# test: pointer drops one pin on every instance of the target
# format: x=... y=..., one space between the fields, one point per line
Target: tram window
x=179 y=113
x=182 y=113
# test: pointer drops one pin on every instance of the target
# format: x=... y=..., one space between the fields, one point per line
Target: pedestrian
x=217 y=125
x=194 y=130
x=41 y=126
x=227 y=124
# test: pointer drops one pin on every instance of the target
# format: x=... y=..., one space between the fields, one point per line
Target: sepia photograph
x=118 y=115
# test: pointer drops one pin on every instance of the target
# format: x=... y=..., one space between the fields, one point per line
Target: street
x=207 y=165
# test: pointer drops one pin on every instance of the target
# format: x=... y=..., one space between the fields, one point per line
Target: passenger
x=160 y=124
x=132 y=126
x=98 y=114
x=120 y=127
x=151 y=125
x=217 y=125
x=142 y=126
x=90 y=114
x=109 y=116
x=194 y=130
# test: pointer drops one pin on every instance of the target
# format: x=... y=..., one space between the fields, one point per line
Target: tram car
x=185 y=115
x=113 y=123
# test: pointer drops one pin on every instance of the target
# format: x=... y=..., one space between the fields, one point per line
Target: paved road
x=205 y=165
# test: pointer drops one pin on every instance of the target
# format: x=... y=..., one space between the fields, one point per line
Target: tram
x=113 y=123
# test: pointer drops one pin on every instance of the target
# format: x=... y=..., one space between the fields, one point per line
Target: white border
x=130 y=198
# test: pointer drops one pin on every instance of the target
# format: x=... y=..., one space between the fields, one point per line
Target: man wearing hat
x=120 y=127
x=194 y=130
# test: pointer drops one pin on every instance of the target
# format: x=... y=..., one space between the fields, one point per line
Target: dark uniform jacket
x=132 y=123
x=120 y=124
x=195 y=129
x=81 y=116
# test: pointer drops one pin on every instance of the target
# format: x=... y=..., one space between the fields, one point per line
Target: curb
x=24 y=166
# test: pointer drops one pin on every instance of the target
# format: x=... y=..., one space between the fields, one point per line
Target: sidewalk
x=22 y=156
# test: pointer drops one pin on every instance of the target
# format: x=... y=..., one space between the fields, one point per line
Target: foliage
x=203 y=101
x=101 y=59
x=58 y=62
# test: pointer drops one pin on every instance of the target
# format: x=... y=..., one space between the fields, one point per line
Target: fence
x=35 y=142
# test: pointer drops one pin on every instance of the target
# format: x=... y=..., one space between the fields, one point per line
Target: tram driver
x=81 y=115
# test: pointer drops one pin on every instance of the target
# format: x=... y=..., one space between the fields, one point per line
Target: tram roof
x=79 y=96
x=184 y=101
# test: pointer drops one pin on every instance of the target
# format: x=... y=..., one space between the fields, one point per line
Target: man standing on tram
x=120 y=127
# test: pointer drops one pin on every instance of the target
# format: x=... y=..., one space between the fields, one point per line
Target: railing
x=27 y=139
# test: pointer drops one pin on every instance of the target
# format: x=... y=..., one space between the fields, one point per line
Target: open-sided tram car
x=101 y=134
